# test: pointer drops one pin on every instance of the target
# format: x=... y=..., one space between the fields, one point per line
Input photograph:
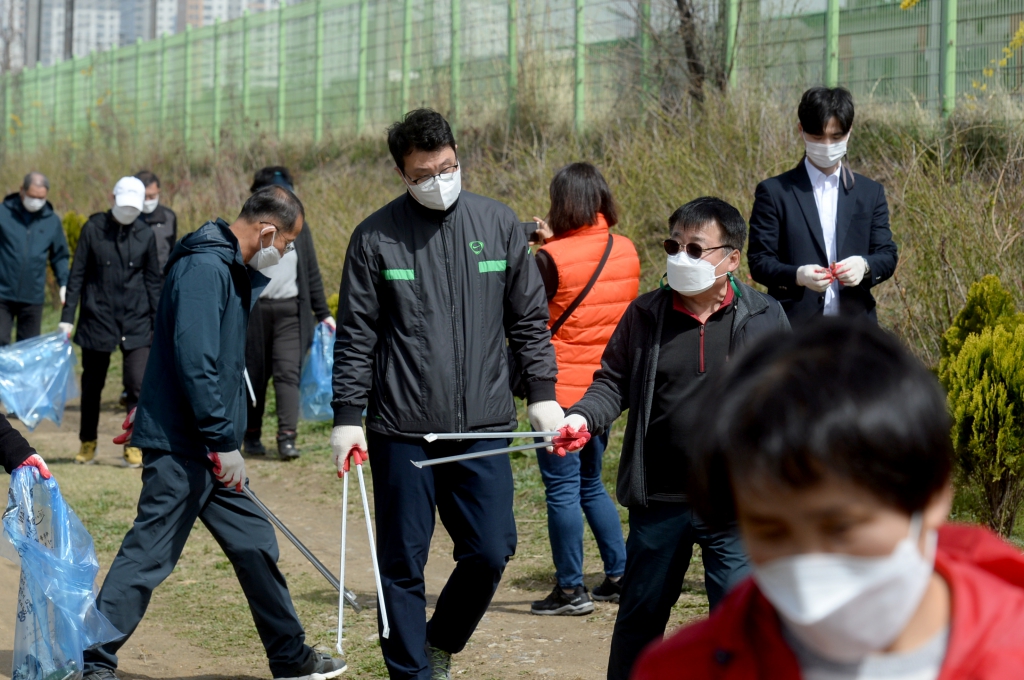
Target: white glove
x=850 y=271
x=343 y=438
x=815 y=277
x=331 y=322
x=545 y=415
x=66 y=327
x=63 y=293
x=229 y=468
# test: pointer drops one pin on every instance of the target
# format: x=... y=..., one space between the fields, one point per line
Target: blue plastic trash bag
x=37 y=378
x=315 y=384
x=57 y=615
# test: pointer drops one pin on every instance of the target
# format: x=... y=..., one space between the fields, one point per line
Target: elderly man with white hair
x=31 y=235
x=116 y=277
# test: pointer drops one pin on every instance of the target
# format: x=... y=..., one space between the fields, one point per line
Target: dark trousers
x=94 y=377
x=658 y=551
x=474 y=501
x=175 y=492
x=278 y=334
x=29 y=318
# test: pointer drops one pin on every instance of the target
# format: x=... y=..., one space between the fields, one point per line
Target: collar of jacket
x=429 y=213
x=155 y=217
x=14 y=204
x=748 y=304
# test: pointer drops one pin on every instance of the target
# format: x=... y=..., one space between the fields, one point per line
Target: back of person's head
x=701 y=212
x=148 y=178
x=818 y=105
x=841 y=399
x=276 y=205
x=419 y=130
x=578 y=193
x=272 y=175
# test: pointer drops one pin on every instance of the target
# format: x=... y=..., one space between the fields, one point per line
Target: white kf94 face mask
x=688 y=276
x=825 y=155
x=846 y=607
x=438 y=192
x=266 y=256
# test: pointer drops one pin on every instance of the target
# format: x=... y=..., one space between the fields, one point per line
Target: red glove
x=36 y=461
x=570 y=439
x=128 y=425
x=358 y=454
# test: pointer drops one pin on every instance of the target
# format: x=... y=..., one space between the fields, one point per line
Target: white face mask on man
x=268 y=256
x=150 y=204
x=33 y=205
x=825 y=155
x=438 y=192
x=845 y=607
x=691 y=276
x=125 y=214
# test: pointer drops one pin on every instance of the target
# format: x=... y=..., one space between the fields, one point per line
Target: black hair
x=841 y=397
x=274 y=204
x=35 y=179
x=819 y=104
x=272 y=175
x=147 y=178
x=420 y=129
x=578 y=193
x=702 y=211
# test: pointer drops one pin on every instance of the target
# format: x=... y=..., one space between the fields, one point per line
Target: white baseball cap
x=130 y=191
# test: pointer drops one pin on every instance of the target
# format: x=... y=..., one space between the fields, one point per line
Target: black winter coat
x=629 y=366
x=193 y=394
x=312 y=303
x=427 y=301
x=164 y=224
x=14 y=450
x=27 y=242
x=116 y=274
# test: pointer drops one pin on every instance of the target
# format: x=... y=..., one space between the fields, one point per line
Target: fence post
x=579 y=115
x=732 y=20
x=364 y=30
x=513 y=60
x=245 y=70
x=187 y=95
x=456 y=65
x=949 y=23
x=71 y=101
x=163 y=87
x=280 y=72
x=832 y=44
x=216 y=85
x=113 y=81
x=645 y=46
x=92 y=96
x=406 y=54
x=37 y=97
x=56 y=104
x=318 y=119
x=137 y=106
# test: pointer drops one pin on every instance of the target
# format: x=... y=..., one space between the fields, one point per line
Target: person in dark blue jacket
x=31 y=235
x=189 y=424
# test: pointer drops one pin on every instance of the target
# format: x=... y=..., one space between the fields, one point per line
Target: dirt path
x=509 y=642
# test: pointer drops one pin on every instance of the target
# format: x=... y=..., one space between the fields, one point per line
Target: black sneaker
x=286 y=446
x=560 y=604
x=253 y=446
x=609 y=591
x=440 y=663
x=100 y=674
x=318 y=667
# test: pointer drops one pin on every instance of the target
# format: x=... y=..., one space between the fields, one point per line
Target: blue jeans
x=570 y=482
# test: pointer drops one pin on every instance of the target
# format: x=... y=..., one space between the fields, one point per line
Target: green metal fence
x=327 y=67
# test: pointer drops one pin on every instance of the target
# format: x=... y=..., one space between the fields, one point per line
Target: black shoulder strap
x=583 y=293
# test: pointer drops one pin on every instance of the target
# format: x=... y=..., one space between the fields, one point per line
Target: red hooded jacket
x=742 y=640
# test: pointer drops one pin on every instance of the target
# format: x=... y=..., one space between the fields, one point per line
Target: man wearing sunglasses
x=669 y=344
x=819 y=233
x=190 y=423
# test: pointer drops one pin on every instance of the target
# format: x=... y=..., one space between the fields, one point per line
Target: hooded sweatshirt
x=193 y=394
x=743 y=639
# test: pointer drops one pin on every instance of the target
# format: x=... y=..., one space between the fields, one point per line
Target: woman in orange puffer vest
x=576 y=237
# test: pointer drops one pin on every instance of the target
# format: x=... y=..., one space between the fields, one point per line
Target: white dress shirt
x=826 y=197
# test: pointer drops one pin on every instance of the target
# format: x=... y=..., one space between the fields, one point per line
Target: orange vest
x=580 y=341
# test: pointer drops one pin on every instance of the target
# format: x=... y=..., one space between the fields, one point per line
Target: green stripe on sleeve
x=492 y=266
x=399 y=274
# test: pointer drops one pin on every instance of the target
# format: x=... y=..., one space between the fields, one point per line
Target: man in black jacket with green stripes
x=666 y=348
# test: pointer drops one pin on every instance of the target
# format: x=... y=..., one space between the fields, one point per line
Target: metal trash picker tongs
x=432 y=437
x=359 y=458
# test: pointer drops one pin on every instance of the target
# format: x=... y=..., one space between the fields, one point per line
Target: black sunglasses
x=694 y=250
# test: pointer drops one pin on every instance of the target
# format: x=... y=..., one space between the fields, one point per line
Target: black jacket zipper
x=459 y=392
x=701 y=370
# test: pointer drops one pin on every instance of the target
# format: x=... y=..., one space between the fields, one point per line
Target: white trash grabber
x=341 y=573
x=478 y=454
x=433 y=437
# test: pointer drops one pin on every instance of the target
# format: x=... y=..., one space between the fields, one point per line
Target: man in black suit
x=819 y=233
